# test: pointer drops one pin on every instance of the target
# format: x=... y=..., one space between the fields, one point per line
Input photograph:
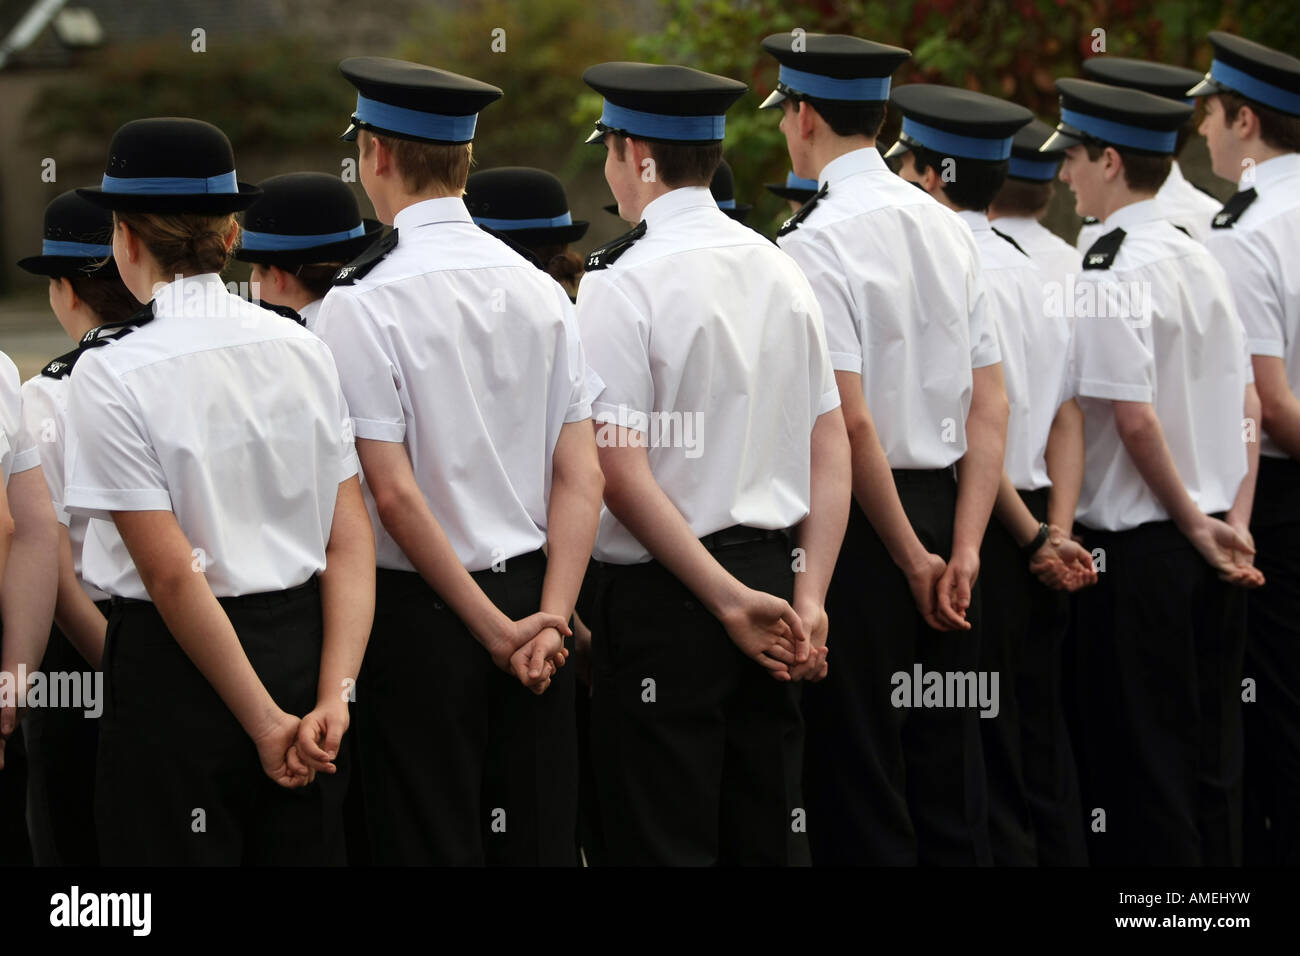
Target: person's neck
x=79 y=324
x=823 y=150
x=406 y=200
x=1258 y=152
x=295 y=300
x=646 y=195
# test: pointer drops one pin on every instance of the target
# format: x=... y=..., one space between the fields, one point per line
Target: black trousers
x=462 y=764
x=62 y=745
x=696 y=750
x=1159 y=640
x=1272 y=721
x=890 y=785
x=179 y=781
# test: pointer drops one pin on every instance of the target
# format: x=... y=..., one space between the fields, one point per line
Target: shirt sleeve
x=984 y=350
x=824 y=393
x=111 y=464
x=570 y=377
x=1111 y=360
x=20 y=453
x=369 y=375
x=829 y=283
x=1254 y=291
x=616 y=337
x=44 y=422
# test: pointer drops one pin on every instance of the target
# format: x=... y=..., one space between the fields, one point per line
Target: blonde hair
x=183 y=243
x=424 y=165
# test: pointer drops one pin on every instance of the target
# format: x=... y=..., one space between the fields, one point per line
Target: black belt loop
x=743 y=534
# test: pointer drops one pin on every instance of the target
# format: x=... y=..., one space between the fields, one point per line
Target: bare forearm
x=876 y=494
x=1144 y=440
x=1244 y=502
x=75 y=613
x=1281 y=421
x=979 y=471
x=821 y=533
x=571 y=522
x=30 y=586
x=1065 y=460
x=347 y=591
x=1013 y=514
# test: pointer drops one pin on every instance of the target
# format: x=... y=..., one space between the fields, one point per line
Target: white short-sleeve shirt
x=1259 y=252
x=1179 y=202
x=709 y=341
x=898 y=280
x=1033 y=340
x=309 y=313
x=1163 y=330
x=17 y=453
x=226 y=414
x=461 y=349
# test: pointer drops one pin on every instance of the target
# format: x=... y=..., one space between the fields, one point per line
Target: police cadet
x=85 y=292
x=794 y=190
x=298 y=235
x=1252 y=126
x=466 y=381
x=898 y=278
x=214 y=435
x=1163 y=383
x=1181 y=202
x=727 y=485
x=528 y=206
x=723 y=188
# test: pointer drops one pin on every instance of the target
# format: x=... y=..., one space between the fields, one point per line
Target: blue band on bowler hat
x=830 y=88
x=661 y=125
x=224 y=183
x=1043 y=169
x=954 y=144
x=726 y=204
x=1254 y=88
x=539 y=223
x=1121 y=134
x=280 y=242
x=399 y=119
x=79 y=250
x=794 y=182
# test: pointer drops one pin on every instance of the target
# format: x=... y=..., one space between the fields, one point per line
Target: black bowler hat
x=1116 y=116
x=414 y=101
x=303 y=218
x=1158 y=79
x=1028 y=161
x=1267 y=76
x=723 y=187
x=956 y=122
x=528 y=205
x=831 y=66
x=78 y=236
x=794 y=187
x=171 y=165
x=670 y=104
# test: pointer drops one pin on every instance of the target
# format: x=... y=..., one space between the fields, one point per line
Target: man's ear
x=380 y=156
x=1112 y=165
x=638 y=151
x=1246 y=123
x=807 y=119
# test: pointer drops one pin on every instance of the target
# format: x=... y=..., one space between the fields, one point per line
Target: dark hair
x=421 y=165
x=107 y=297
x=679 y=164
x=975 y=181
x=1276 y=129
x=183 y=243
x=847 y=117
x=1017 y=197
x=317 y=277
x=1144 y=172
x=562 y=264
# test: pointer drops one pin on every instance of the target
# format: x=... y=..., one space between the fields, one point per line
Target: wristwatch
x=1044 y=532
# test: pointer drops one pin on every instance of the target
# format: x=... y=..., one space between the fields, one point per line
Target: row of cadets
x=898 y=279
x=955 y=144
x=1252 y=127
x=1161 y=375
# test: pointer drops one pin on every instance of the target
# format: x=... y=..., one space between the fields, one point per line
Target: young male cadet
x=955 y=144
x=727 y=487
x=1164 y=385
x=1252 y=127
x=465 y=378
x=898 y=279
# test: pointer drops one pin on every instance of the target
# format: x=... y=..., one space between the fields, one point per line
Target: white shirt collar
x=1175 y=176
x=864 y=160
x=977 y=221
x=171 y=297
x=1144 y=210
x=1272 y=172
x=428 y=211
x=309 y=310
x=675 y=201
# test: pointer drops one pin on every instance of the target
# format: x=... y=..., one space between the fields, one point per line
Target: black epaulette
x=791 y=224
x=1226 y=217
x=521 y=249
x=363 y=263
x=1090 y=221
x=1183 y=229
x=283 y=310
x=608 y=254
x=100 y=335
x=1101 y=254
x=1012 y=241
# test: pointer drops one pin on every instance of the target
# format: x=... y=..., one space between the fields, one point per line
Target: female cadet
x=215 y=435
x=298 y=235
x=85 y=293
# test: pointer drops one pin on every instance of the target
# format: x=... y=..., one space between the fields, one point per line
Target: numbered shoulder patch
x=608 y=254
x=363 y=263
x=100 y=335
x=791 y=224
x=1227 y=217
x=1101 y=254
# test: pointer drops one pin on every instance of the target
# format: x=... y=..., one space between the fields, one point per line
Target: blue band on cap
x=1040 y=169
x=830 y=88
x=726 y=204
x=662 y=125
x=954 y=144
x=280 y=242
x=1121 y=134
x=541 y=223
x=1254 y=88
x=794 y=182
x=399 y=119
x=81 y=250
x=171 y=185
